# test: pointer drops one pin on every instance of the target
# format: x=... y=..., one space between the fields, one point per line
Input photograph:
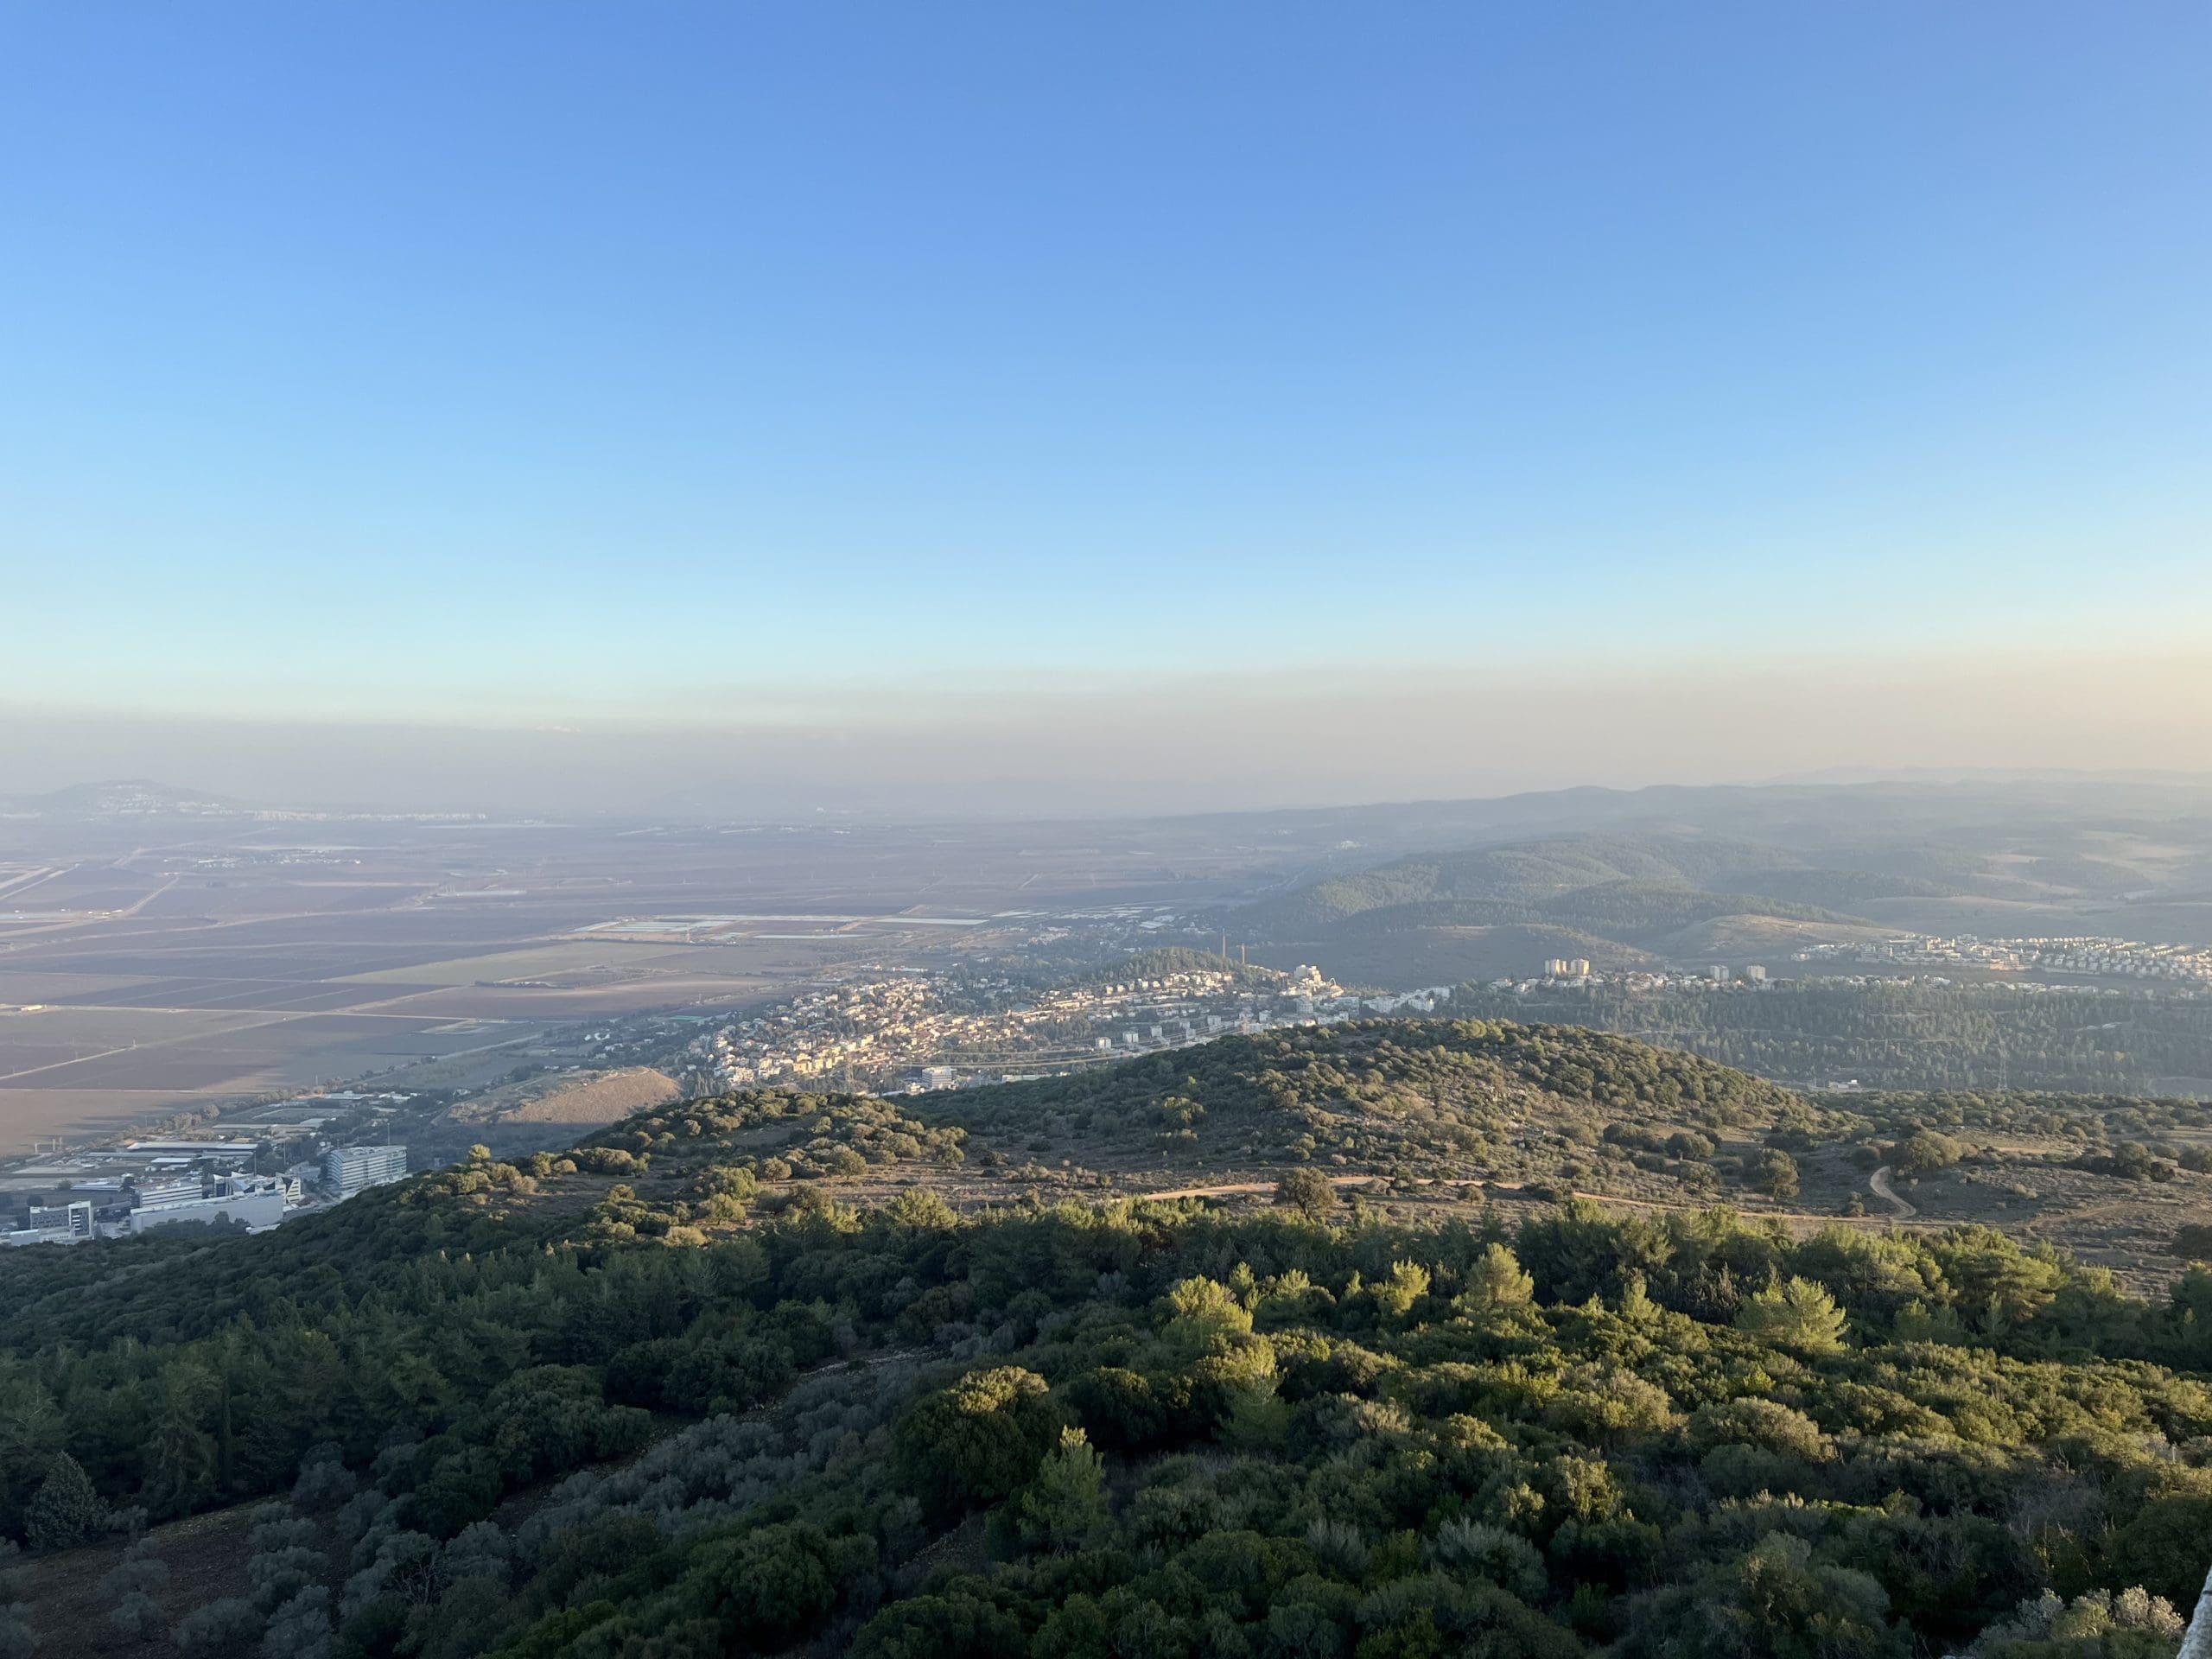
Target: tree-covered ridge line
x=1427 y=1098
x=1632 y=892
x=1631 y=887
x=1899 y=1036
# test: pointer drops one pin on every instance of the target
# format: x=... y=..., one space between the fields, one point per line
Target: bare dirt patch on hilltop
x=580 y=1099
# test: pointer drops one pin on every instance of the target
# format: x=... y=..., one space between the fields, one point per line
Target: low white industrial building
x=253 y=1202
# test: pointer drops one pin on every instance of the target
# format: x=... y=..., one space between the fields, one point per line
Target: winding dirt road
x=1879 y=1180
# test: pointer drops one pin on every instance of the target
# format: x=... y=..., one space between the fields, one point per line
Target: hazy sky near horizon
x=668 y=368
x=1192 y=743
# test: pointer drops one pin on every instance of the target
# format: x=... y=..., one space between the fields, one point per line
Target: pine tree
x=67 y=1512
x=1800 y=1314
x=1065 y=1507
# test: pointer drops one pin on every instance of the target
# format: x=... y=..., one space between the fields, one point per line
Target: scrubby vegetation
x=1432 y=1099
x=773 y=1134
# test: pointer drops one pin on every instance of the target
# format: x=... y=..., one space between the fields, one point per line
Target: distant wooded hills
x=1684 y=897
x=1619 y=902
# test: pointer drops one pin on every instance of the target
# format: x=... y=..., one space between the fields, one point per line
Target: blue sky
x=556 y=361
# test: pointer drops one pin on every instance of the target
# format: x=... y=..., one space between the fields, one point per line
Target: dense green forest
x=1900 y=1036
x=656 y=1398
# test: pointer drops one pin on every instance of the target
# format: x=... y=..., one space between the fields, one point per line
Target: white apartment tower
x=346 y=1170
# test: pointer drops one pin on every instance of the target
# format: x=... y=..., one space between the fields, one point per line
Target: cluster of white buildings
x=2100 y=958
x=1574 y=973
x=871 y=1025
x=52 y=1224
x=254 y=1201
x=121 y=1192
x=902 y=1033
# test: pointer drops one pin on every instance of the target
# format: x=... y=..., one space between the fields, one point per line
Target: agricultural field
x=251 y=958
x=601 y=962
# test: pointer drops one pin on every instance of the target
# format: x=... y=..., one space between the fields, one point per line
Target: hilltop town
x=916 y=1032
x=2093 y=957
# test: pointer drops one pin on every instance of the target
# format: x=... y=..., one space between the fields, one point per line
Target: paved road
x=1879 y=1180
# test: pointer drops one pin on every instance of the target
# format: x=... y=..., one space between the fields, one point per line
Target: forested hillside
x=1430 y=1099
x=692 y=1389
x=1901 y=1036
x=1438 y=916
x=1627 y=890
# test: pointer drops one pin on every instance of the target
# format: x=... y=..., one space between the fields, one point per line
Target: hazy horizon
x=1186 y=745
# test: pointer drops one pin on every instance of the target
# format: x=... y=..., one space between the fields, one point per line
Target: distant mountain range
x=126 y=798
x=1812 y=818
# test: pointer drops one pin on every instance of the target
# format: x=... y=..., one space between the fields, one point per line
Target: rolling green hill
x=1520 y=877
x=1434 y=1100
x=1614 y=901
